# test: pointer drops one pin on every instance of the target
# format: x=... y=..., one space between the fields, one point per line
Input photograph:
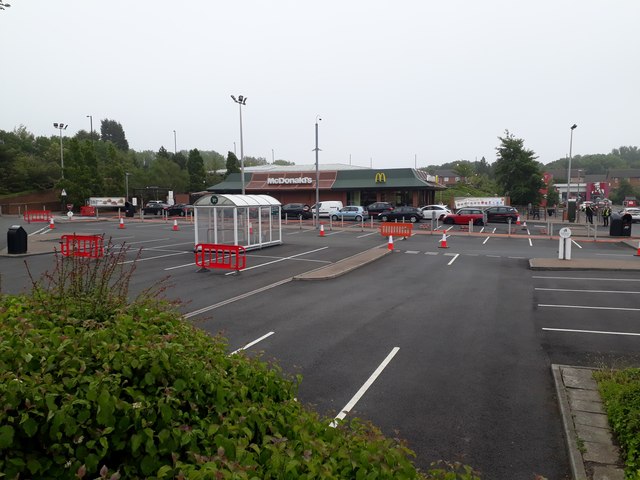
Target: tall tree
x=112 y=131
x=464 y=169
x=233 y=165
x=195 y=167
x=517 y=172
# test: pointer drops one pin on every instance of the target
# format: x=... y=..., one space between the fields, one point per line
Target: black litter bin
x=16 y=240
x=620 y=225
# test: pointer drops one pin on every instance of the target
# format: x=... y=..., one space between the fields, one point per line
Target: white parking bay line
x=413 y=252
x=486 y=240
x=251 y=344
x=366 y=234
x=569 y=330
x=347 y=408
x=280 y=260
x=585 y=291
x=576 y=244
x=154 y=258
x=599 y=279
x=530 y=242
x=585 y=307
x=235 y=299
x=453 y=259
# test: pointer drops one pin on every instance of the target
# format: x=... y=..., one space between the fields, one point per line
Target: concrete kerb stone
x=592 y=453
x=345 y=265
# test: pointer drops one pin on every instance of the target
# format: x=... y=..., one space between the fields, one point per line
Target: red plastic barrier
x=227 y=257
x=89 y=246
x=37 y=215
x=88 y=211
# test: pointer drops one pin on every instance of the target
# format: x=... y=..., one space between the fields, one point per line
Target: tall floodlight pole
x=317 y=216
x=175 y=143
x=573 y=127
x=61 y=126
x=241 y=101
x=126 y=181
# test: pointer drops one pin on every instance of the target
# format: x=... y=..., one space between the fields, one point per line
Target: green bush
x=620 y=391
x=93 y=384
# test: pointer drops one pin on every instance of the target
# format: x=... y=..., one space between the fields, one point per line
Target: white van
x=326 y=208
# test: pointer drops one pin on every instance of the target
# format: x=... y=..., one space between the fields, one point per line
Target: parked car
x=502 y=214
x=404 y=214
x=180 y=209
x=379 y=207
x=634 y=212
x=154 y=207
x=295 y=210
x=326 y=208
x=464 y=215
x=350 y=212
x=435 y=212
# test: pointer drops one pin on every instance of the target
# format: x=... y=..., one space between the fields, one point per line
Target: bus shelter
x=250 y=221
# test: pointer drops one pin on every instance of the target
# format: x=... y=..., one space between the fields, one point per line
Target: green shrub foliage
x=93 y=385
x=620 y=390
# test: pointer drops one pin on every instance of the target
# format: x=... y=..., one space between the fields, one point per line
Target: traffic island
x=345 y=265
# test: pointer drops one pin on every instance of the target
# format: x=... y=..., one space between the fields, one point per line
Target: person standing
x=589 y=212
x=606 y=213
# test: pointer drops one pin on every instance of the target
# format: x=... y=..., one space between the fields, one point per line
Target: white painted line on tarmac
x=40 y=231
x=235 y=299
x=589 y=278
x=614 y=254
x=296 y=233
x=576 y=244
x=333 y=233
x=366 y=235
x=585 y=291
x=180 y=266
x=149 y=241
x=454 y=258
x=412 y=252
x=251 y=344
x=528 y=233
x=585 y=307
x=517 y=258
x=482 y=229
x=347 y=408
x=530 y=242
x=280 y=260
x=494 y=230
x=493 y=256
x=154 y=258
x=431 y=253
x=486 y=240
x=568 y=330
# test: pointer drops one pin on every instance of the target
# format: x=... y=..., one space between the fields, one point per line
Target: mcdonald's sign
x=381 y=177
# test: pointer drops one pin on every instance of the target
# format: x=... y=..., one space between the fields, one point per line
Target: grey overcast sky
x=392 y=80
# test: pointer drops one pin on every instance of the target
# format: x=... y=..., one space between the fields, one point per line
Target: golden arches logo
x=381 y=177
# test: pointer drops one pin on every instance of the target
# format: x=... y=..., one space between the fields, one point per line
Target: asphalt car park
x=453 y=345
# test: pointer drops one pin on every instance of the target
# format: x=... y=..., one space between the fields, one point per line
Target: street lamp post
x=90 y=117
x=126 y=184
x=241 y=101
x=317 y=219
x=573 y=127
x=175 y=143
x=61 y=126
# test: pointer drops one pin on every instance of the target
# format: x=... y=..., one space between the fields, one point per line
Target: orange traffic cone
x=51 y=223
x=443 y=241
x=175 y=225
x=121 y=223
x=390 y=244
x=518 y=220
x=322 y=230
x=638 y=252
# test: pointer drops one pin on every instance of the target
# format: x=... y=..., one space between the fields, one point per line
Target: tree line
x=100 y=163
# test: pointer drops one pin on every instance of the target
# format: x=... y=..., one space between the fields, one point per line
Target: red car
x=464 y=215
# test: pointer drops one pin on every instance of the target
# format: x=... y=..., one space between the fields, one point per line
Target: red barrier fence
x=37 y=215
x=227 y=257
x=89 y=246
x=396 y=229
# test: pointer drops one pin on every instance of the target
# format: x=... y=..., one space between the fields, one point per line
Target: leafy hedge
x=620 y=391
x=95 y=385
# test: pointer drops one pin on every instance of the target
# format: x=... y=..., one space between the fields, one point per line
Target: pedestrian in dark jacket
x=589 y=211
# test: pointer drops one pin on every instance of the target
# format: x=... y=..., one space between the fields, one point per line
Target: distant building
x=614 y=177
x=448 y=177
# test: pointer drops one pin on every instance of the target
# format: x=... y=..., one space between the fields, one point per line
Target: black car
x=180 y=209
x=379 y=207
x=502 y=214
x=295 y=210
x=154 y=207
x=403 y=214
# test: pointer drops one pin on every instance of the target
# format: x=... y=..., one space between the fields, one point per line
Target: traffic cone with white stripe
x=121 y=223
x=175 y=225
x=390 y=244
x=52 y=224
x=518 y=220
x=638 y=252
x=443 y=241
x=322 y=230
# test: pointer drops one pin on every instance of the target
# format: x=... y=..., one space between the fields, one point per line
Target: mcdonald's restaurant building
x=350 y=185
